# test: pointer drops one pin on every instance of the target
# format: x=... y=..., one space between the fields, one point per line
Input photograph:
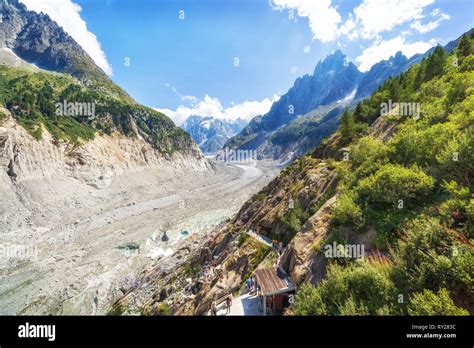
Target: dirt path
x=85 y=243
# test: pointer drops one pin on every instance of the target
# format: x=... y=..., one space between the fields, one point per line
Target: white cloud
x=210 y=106
x=377 y=16
x=322 y=16
x=369 y=20
x=348 y=27
x=386 y=49
x=67 y=14
x=189 y=98
x=425 y=28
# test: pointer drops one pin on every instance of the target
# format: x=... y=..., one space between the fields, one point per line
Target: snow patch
x=206 y=124
x=348 y=97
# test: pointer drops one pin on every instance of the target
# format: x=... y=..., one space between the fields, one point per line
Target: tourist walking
x=250 y=284
x=228 y=303
x=214 y=307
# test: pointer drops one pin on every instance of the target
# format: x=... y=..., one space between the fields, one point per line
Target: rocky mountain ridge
x=42 y=46
x=210 y=133
x=335 y=84
x=37 y=39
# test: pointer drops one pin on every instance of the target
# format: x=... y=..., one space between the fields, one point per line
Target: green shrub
x=368 y=149
x=392 y=183
x=309 y=301
x=346 y=290
x=242 y=238
x=421 y=236
x=260 y=197
x=457 y=210
x=337 y=236
x=387 y=222
x=430 y=303
x=163 y=309
x=3 y=117
x=292 y=220
x=457 y=158
x=192 y=270
x=260 y=253
x=350 y=307
x=115 y=310
x=461 y=272
x=346 y=212
x=429 y=258
x=415 y=143
x=468 y=64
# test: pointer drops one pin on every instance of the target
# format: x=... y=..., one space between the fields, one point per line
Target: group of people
x=277 y=245
x=228 y=304
x=252 y=285
x=209 y=270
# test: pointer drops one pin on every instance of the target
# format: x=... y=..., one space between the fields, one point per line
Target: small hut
x=275 y=286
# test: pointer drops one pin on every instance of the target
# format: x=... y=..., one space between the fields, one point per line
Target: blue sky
x=186 y=65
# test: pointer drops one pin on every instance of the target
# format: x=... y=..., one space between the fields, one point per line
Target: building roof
x=272 y=283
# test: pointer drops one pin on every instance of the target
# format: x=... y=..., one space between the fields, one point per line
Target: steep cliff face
x=27 y=164
x=333 y=80
x=94 y=161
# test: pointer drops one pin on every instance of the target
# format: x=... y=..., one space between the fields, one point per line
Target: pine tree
x=395 y=90
x=435 y=64
x=464 y=48
x=45 y=97
x=403 y=80
x=420 y=76
x=358 y=112
x=347 y=124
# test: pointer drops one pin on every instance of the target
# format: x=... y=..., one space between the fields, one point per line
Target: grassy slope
x=31 y=96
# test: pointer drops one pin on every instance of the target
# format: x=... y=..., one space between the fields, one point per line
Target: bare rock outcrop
x=300 y=258
x=94 y=162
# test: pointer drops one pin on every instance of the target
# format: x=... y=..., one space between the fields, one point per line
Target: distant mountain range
x=310 y=110
x=210 y=133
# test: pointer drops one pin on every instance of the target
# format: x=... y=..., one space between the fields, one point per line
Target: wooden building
x=275 y=287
